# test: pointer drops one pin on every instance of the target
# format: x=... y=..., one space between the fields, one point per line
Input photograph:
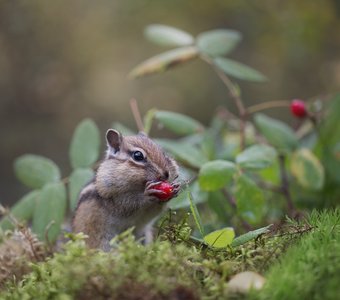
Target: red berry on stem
x=298 y=108
x=166 y=188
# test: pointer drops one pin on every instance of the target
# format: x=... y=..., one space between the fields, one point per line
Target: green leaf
x=277 y=133
x=22 y=210
x=220 y=206
x=220 y=238
x=256 y=157
x=50 y=211
x=168 y=36
x=182 y=200
x=238 y=70
x=77 y=181
x=307 y=169
x=249 y=200
x=164 y=61
x=218 y=42
x=271 y=174
x=327 y=147
x=85 y=144
x=195 y=214
x=178 y=123
x=216 y=174
x=35 y=171
x=184 y=152
x=250 y=235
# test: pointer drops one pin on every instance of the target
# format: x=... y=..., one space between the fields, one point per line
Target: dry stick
x=4 y=212
x=285 y=185
x=235 y=96
x=136 y=114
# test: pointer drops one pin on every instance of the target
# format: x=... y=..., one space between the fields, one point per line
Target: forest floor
x=298 y=260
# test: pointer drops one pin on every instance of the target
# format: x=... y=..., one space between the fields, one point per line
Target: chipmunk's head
x=132 y=163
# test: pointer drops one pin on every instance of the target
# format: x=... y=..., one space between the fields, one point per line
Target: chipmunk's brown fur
x=121 y=194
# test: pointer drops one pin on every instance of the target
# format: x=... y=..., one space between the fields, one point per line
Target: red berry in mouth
x=166 y=188
x=298 y=108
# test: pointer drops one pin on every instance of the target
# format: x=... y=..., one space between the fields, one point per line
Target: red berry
x=166 y=188
x=298 y=108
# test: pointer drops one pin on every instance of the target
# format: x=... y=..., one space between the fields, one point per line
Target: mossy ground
x=299 y=261
x=311 y=268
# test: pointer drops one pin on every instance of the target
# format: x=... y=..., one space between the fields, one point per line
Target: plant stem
x=285 y=185
x=136 y=114
x=235 y=96
x=232 y=203
x=269 y=186
x=265 y=105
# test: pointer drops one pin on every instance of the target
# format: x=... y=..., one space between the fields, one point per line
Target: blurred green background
x=62 y=61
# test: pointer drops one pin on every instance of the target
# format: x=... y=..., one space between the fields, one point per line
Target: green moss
x=77 y=272
x=174 y=267
x=311 y=268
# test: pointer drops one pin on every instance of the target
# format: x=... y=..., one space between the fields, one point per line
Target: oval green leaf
x=238 y=70
x=249 y=200
x=218 y=42
x=250 y=235
x=85 y=144
x=164 y=61
x=35 y=171
x=277 y=133
x=167 y=36
x=178 y=123
x=184 y=152
x=77 y=181
x=307 y=169
x=22 y=210
x=216 y=174
x=220 y=238
x=256 y=157
x=50 y=211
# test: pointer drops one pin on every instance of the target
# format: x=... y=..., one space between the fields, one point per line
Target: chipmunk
x=123 y=192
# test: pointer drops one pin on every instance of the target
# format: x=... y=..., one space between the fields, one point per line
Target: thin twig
x=269 y=186
x=285 y=184
x=47 y=229
x=235 y=96
x=136 y=114
x=4 y=212
x=266 y=105
x=232 y=203
x=231 y=200
x=225 y=114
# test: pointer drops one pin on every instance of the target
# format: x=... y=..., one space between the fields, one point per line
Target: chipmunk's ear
x=114 y=140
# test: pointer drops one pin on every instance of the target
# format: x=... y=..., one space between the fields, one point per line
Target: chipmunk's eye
x=138 y=156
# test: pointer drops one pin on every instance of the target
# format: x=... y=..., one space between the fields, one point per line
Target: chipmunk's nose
x=164 y=176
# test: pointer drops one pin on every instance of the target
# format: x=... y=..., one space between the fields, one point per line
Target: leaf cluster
x=46 y=206
x=257 y=168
